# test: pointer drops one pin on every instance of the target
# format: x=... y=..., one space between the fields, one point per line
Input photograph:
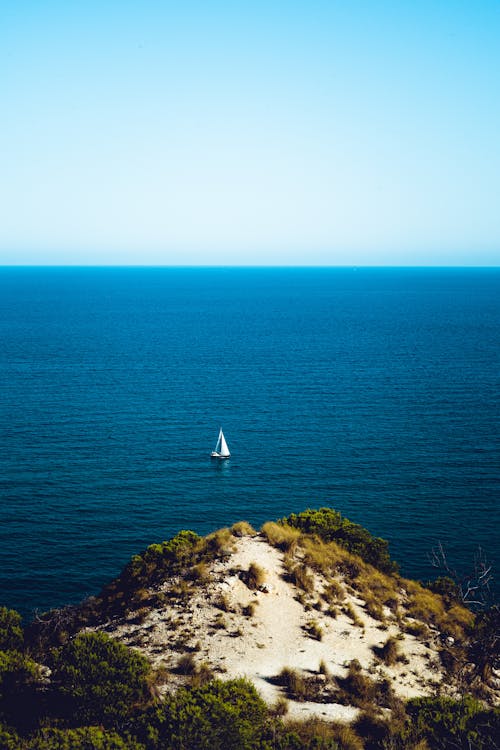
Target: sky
x=263 y=132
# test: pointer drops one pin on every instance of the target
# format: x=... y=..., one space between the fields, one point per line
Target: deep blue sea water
x=375 y=391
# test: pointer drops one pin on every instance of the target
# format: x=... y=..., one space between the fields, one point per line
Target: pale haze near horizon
x=363 y=133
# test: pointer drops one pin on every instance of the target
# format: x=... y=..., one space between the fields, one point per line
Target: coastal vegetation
x=82 y=677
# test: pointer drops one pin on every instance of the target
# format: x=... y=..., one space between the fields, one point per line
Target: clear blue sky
x=250 y=132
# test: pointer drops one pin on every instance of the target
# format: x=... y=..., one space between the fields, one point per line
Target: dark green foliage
x=84 y=738
x=99 y=680
x=18 y=677
x=9 y=740
x=155 y=564
x=158 y=557
x=11 y=631
x=330 y=526
x=217 y=716
x=448 y=589
x=449 y=724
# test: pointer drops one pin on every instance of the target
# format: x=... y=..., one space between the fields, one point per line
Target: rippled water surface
x=372 y=390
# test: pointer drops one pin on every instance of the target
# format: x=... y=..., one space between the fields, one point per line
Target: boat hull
x=214 y=454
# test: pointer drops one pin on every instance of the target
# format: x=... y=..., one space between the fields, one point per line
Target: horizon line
x=352 y=266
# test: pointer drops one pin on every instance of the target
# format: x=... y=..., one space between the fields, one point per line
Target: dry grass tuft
x=220 y=543
x=282 y=536
x=255 y=576
x=326 y=734
x=243 y=528
x=314 y=630
x=349 y=610
x=334 y=592
x=388 y=653
x=301 y=577
x=199 y=573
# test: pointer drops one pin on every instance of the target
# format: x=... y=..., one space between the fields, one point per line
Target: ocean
x=371 y=390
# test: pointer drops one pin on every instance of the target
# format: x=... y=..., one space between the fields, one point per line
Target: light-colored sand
x=275 y=636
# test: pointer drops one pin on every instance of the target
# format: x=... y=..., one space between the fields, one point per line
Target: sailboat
x=221 y=449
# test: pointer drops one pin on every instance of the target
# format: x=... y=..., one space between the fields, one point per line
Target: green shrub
x=216 y=716
x=11 y=631
x=330 y=526
x=99 y=678
x=83 y=738
x=9 y=739
x=447 y=724
x=18 y=678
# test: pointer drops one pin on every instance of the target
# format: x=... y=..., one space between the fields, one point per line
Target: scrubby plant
x=242 y=528
x=349 y=610
x=11 y=631
x=301 y=577
x=202 y=675
x=200 y=572
x=218 y=715
x=418 y=629
x=315 y=630
x=316 y=734
x=279 y=708
x=323 y=668
x=374 y=609
x=220 y=622
x=359 y=690
x=249 y=609
x=281 y=535
x=82 y=738
x=389 y=652
x=222 y=603
x=100 y=679
x=294 y=683
x=186 y=664
x=220 y=543
x=254 y=576
x=330 y=526
x=333 y=591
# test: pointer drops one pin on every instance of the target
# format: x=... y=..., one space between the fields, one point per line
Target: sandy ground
x=275 y=636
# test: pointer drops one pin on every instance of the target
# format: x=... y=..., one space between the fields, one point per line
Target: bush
x=448 y=724
x=84 y=738
x=330 y=526
x=280 y=535
x=389 y=652
x=9 y=740
x=11 y=631
x=316 y=734
x=255 y=576
x=242 y=528
x=186 y=664
x=100 y=679
x=301 y=577
x=314 y=630
x=294 y=683
x=217 y=716
x=18 y=678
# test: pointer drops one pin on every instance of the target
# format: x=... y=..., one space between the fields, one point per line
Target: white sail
x=221 y=449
